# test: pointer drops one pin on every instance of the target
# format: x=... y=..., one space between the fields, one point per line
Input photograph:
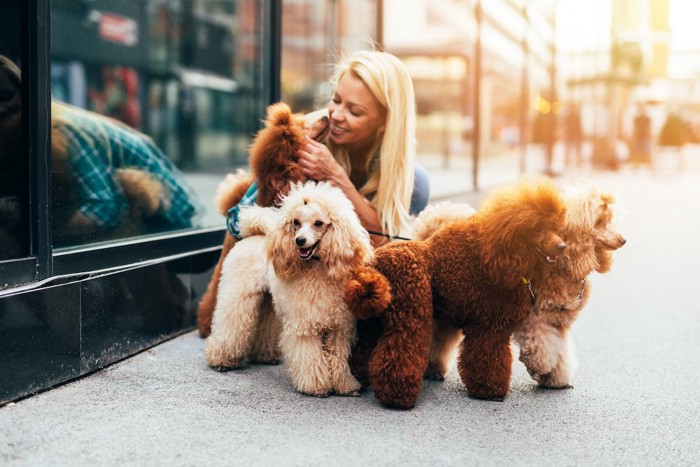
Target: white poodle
x=314 y=244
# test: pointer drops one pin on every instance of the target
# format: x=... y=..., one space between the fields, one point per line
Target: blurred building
x=482 y=70
x=314 y=32
x=625 y=61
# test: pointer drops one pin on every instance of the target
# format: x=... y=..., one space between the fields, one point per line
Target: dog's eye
x=318 y=223
x=297 y=223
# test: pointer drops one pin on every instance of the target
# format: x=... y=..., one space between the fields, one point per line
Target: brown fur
x=468 y=275
x=273 y=163
x=544 y=341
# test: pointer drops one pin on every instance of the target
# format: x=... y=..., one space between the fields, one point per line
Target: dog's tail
x=256 y=220
x=368 y=293
x=231 y=190
x=436 y=216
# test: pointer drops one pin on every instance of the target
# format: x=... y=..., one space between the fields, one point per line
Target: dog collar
x=528 y=284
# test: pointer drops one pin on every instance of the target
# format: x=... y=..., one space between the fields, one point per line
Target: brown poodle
x=273 y=162
x=543 y=338
x=470 y=276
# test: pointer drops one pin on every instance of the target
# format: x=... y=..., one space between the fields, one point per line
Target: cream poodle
x=545 y=345
x=314 y=245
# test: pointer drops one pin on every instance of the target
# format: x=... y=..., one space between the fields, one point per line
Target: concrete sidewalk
x=634 y=401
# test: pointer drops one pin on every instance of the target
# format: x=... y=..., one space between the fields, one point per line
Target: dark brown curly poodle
x=470 y=276
x=273 y=164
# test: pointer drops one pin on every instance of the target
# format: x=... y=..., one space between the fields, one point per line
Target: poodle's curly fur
x=273 y=163
x=468 y=276
x=315 y=244
x=591 y=238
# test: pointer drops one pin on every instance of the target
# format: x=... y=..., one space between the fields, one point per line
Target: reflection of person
x=371 y=148
x=106 y=176
x=641 y=138
x=12 y=167
x=98 y=148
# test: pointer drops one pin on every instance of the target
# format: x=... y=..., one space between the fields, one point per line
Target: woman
x=370 y=150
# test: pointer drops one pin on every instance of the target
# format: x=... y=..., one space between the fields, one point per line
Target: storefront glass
x=167 y=92
x=13 y=153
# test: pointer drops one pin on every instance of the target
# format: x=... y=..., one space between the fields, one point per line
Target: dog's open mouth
x=548 y=259
x=308 y=253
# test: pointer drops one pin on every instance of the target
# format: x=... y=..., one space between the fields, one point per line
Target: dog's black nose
x=300 y=241
x=561 y=246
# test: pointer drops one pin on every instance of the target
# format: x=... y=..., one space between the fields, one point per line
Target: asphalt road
x=635 y=399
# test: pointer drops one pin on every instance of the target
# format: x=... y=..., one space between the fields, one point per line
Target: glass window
x=146 y=120
x=14 y=235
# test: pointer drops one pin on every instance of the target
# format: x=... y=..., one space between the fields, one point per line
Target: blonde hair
x=390 y=161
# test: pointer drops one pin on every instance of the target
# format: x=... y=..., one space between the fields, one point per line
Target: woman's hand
x=317 y=163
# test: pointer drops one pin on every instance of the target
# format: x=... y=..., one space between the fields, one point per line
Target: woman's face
x=355 y=115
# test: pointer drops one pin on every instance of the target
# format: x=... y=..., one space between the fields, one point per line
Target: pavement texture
x=634 y=402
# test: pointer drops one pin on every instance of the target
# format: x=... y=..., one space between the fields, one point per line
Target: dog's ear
x=281 y=251
x=604 y=258
x=580 y=257
x=346 y=246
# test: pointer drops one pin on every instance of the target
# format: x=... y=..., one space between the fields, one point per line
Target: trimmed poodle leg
x=442 y=350
x=265 y=347
x=546 y=352
x=337 y=350
x=208 y=302
x=306 y=365
x=400 y=358
x=368 y=332
x=237 y=306
x=561 y=375
x=484 y=364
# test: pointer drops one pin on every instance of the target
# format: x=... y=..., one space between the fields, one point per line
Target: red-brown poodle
x=471 y=275
x=273 y=163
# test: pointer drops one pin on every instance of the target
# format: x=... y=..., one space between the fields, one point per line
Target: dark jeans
x=421 y=190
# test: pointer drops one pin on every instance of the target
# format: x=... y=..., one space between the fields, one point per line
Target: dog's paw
x=552 y=381
x=348 y=387
x=218 y=358
x=368 y=294
x=266 y=361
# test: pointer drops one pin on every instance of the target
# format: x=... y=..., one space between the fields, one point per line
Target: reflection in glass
x=112 y=181
x=189 y=74
x=13 y=159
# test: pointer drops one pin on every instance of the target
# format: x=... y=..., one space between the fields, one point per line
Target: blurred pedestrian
x=574 y=137
x=640 y=151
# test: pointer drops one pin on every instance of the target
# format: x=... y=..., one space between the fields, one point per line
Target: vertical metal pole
x=275 y=63
x=476 y=136
x=551 y=137
x=36 y=113
x=525 y=94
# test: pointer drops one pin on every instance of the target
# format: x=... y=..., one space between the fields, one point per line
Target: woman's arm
x=317 y=163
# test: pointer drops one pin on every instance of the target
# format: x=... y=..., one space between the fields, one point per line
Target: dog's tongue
x=304 y=252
